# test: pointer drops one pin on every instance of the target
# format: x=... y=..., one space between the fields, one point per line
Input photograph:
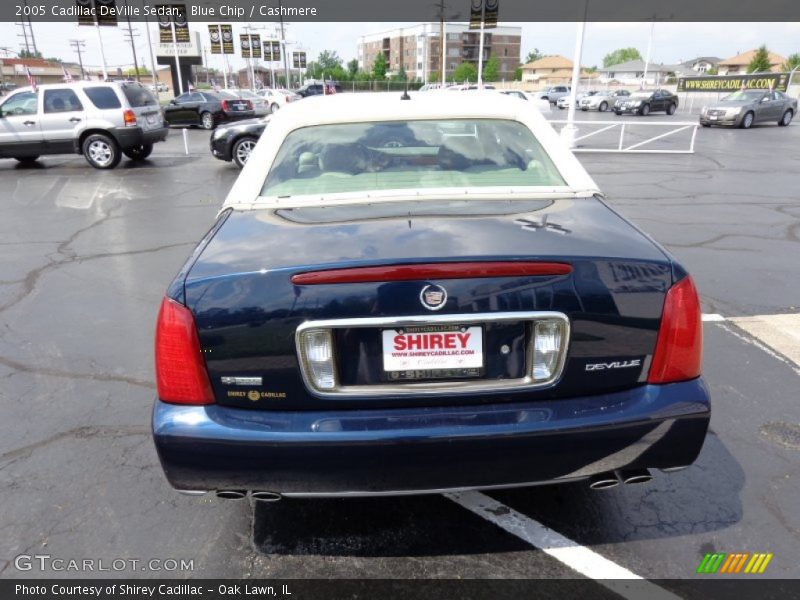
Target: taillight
x=225 y=105
x=181 y=376
x=248 y=104
x=679 y=349
x=130 y=118
x=287 y=98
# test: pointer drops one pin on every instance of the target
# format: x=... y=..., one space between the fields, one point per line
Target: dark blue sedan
x=411 y=296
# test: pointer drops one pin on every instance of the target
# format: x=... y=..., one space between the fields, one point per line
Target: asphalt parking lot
x=86 y=256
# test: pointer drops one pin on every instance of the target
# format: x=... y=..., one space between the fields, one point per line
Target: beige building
x=551 y=70
x=737 y=65
x=418 y=49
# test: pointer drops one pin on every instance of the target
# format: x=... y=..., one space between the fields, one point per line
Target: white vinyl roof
x=388 y=106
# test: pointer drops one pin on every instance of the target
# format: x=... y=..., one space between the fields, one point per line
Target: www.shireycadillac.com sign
x=731 y=83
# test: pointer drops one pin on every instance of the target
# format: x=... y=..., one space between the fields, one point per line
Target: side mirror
x=765 y=99
x=172 y=101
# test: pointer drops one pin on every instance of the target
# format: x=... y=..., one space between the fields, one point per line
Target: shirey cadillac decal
x=731 y=83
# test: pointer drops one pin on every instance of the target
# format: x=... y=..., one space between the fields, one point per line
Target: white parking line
x=713 y=317
x=579 y=558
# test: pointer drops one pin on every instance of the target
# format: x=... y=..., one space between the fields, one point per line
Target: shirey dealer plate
x=433 y=352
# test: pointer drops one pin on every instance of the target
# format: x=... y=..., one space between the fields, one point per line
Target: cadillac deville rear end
x=411 y=297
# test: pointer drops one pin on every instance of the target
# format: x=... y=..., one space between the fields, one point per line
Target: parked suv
x=554 y=93
x=316 y=89
x=101 y=120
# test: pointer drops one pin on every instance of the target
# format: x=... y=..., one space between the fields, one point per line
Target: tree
x=132 y=72
x=400 y=75
x=29 y=54
x=352 y=68
x=379 y=67
x=793 y=62
x=533 y=55
x=465 y=72
x=760 y=62
x=329 y=60
x=621 y=55
x=518 y=73
x=491 y=69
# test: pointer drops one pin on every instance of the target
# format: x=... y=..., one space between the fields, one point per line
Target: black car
x=235 y=141
x=645 y=102
x=316 y=89
x=206 y=109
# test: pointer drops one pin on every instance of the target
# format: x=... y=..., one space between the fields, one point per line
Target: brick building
x=417 y=49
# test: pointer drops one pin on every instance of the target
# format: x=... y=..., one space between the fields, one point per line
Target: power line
x=130 y=35
x=79 y=45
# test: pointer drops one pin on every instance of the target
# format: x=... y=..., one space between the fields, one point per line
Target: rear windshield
x=138 y=96
x=102 y=97
x=394 y=155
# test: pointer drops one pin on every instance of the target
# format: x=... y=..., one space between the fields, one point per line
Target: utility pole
x=649 y=50
x=130 y=35
x=150 y=49
x=27 y=30
x=79 y=45
x=283 y=44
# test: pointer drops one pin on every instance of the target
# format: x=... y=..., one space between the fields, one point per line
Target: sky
x=672 y=42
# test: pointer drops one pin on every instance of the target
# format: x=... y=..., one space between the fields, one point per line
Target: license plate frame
x=433 y=352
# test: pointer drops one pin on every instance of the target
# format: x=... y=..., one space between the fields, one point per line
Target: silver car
x=101 y=120
x=602 y=101
x=260 y=105
x=746 y=107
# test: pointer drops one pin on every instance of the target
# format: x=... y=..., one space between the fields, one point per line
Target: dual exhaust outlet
x=603 y=481
x=612 y=479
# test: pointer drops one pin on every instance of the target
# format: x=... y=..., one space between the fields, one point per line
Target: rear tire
x=747 y=120
x=101 y=151
x=242 y=149
x=671 y=109
x=139 y=152
x=786 y=118
x=26 y=160
x=645 y=110
x=274 y=107
x=603 y=107
x=706 y=124
x=207 y=121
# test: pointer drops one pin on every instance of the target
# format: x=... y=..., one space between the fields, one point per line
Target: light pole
x=79 y=45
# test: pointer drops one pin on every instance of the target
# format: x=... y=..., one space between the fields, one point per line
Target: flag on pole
x=67 y=74
x=191 y=87
x=31 y=79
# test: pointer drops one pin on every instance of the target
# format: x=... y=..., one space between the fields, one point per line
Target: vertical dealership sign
x=483 y=12
x=298 y=60
x=215 y=37
x=221 y=39
x=169 y=15
x=255 y=45
x=101 y=12
x=244 y=40
x=272 y=50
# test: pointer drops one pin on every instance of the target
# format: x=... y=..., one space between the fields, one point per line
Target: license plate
x=433 y=351
x=713 y=117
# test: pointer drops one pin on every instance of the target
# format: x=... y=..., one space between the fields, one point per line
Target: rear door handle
x=75 y=120
x=29 y=123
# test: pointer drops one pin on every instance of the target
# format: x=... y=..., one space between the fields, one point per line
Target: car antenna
x=405 y=95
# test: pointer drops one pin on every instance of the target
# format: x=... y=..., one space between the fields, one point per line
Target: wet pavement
x=86 y=256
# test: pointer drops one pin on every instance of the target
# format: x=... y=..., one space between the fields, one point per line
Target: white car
x=602 y=101
x=565 y=101
x=278 y=98
x=260 y=105
x=522 y=95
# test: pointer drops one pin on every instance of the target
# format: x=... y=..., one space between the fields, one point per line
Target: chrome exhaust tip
x=635 y=476
x=603 y=481
x=266 y=496
x=231 y=494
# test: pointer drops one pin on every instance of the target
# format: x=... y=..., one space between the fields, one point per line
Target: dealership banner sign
x=731 y=83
